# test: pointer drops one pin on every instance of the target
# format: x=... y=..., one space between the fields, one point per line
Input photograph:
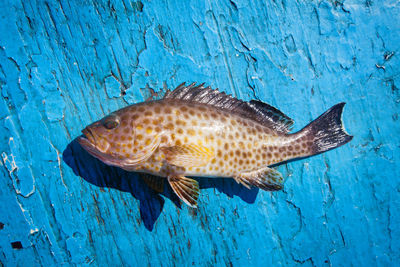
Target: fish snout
x=89 y=135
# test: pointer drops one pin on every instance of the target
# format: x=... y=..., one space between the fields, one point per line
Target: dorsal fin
x=277 y=117
x=258 y=111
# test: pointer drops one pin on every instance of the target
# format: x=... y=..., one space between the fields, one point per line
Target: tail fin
x=326 y=132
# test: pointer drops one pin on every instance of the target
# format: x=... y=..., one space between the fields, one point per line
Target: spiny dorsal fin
x=258 y=111
x=205 y=95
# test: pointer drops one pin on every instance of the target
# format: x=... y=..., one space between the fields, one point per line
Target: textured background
x=64 y=64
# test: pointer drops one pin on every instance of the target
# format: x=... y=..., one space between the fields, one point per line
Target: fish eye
x=111 y=122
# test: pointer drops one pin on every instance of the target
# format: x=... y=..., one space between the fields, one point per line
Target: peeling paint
x=22 y=179
x=66 y=64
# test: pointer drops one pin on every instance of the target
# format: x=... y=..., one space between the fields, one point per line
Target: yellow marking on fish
x=191 y=132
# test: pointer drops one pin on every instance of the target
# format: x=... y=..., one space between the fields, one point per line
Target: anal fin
x=266 y=178
x=186 y=189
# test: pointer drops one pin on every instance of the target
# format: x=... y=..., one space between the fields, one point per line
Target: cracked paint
x=65 y=64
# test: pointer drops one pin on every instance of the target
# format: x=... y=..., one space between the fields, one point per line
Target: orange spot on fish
x=181 y=122
x=241 y=145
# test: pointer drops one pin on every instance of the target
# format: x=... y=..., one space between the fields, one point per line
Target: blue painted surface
x=64 y=64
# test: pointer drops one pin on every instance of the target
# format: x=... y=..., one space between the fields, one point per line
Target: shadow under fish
x=151 y=202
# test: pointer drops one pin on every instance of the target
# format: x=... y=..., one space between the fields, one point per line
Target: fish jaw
x=95 y=152
x=93 y=140
x=88 y=136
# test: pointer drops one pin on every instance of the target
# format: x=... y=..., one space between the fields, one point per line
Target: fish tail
x=325 y=133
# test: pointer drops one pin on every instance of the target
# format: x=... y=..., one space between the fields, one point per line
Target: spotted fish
x=197 y=131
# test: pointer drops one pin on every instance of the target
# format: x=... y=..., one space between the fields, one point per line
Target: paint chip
x=16 y=245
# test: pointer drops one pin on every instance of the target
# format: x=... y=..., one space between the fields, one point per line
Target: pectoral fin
x=266 y=178
x=154 y=182
x=186 y=189
x=188 y=155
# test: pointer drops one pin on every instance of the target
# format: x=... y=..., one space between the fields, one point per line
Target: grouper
x=197 y=131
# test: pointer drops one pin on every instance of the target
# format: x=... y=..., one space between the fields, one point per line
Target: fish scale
x=198 y=131
x=234 y=141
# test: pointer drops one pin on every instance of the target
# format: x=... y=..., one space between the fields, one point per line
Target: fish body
x=198 y=131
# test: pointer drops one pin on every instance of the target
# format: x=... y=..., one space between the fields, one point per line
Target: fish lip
x=85 y=143
x=89 y=136
x=93 y=150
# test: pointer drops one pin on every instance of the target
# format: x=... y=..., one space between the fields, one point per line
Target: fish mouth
x=88 y=134
x=87 y=141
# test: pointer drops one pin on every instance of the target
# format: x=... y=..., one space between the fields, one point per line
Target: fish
x=197 y=131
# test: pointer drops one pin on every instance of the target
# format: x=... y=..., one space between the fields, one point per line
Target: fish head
x=109 y=138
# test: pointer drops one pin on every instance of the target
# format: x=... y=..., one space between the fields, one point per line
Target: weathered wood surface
x=64 y=64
